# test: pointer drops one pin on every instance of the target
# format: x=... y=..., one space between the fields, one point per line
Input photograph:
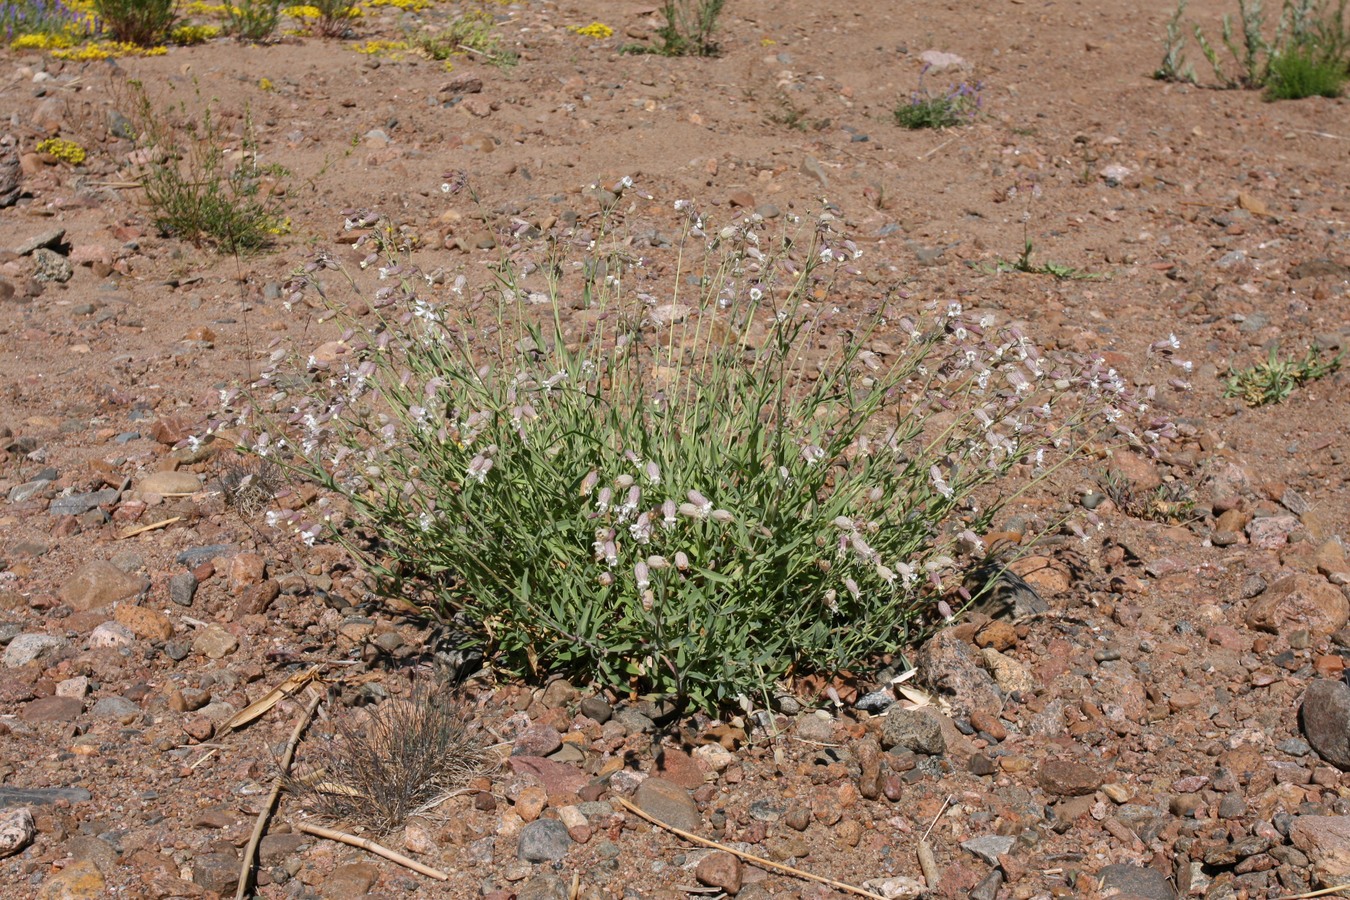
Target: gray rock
x=988 y=887
x=634 y=722
x=668 y=802
x=811 y=166
x=989 y=846
x=1137 y=881
x=543 y=840
x=1325 y=717
x=597 y=708
x=52 y=266
x=198 y=555
x=27 y=647
x=22 y=493
x=15 y=796
x=11 y=176
x=182 y=588
x=52 y=237
x=8 y=632
x=816 y=725
x=876 y=701
x=16 y=831
x=913 y=729
x=119 y=126
x=79 y=504
x=119 y=708
x=950 y=667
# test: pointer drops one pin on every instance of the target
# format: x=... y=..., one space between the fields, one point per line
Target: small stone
x=16 y=830
x=530 y=803
x=214 y=642
x=145 y=622
x=913 y=729
x=721 y=870
x=812 y=167
x=543 y=887
x=876 y=701
x=52 y=266
x=1142 y=882
x=988 y=887
x=543 y=840
x=27 y=647
x=558 y=694
x=669 y=803
x=1065 y=778
x=77 y=687
x=948 y=665
x=988 y=847
x=169 y=482
x=111 y=635
x=816 y=725
x=537 y=740
x=1271 y=532
x=182 y=588
x=98 y=584
x=119 y=709
x=352 y=880
x=1011 y=676
x=597 y=709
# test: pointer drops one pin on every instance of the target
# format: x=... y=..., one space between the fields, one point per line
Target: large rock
x=1297 y=602
x=1326 y=841
x=81 y=880
x=27 y=647
x=949 y=666
x=1326 y=720
x=543 y=840
x=97 y=584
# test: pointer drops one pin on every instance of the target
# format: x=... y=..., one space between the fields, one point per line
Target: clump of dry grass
x=248 y=486
x=379 y=765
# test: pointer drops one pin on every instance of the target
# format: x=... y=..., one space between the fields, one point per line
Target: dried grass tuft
x=379 y=765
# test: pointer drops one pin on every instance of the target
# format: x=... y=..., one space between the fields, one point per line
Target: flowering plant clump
x=695 y=495
x=187 y=35
x=64 y=150
x=958 y=106
x=597 y=30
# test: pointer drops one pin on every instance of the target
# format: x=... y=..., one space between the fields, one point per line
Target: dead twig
x=162 y=523
x=259 y=827
x=755 y=860
x=1322 y=893
x=367 y=844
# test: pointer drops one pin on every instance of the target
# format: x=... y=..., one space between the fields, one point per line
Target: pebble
x=669 y=803
x=144 y=622
x=1065 y=778
x=182 y=588
x=118 y=709
x=52 y=709
x=543 y=887
x=111 y=635
x=596 y=709
x=543 y=840
x=989 y=847
x=816 y=725
x=169 y=483
x=876 y=701
x=27 y=647
x=913 y=729
x=721 y=870
x=537 y=740
x=214 y=642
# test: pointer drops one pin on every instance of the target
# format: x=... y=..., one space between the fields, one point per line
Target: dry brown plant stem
x=1321 y=893
x=366 y=844
x=260 y=827
x=756 y=860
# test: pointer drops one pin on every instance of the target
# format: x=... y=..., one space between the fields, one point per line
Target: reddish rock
x=721 y=870
x=1326 y=841
x=677 y=766
x=1300 y=601
x=144 y=622
x=556 y=777
x=52 y=709
x=1065 y=778
x=97 y=584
